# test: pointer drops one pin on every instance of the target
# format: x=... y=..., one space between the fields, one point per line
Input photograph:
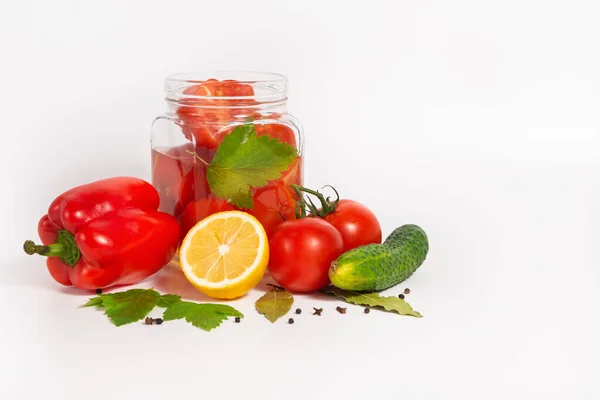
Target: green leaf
x=274 y=304
x=390 y=303
x=126 y=307
x=203 y=316
x=94 y=301
x=135 y=304
x=244 y=161
x=167 y=300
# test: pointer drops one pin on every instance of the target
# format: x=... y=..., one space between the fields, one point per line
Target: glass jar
x=201 y=111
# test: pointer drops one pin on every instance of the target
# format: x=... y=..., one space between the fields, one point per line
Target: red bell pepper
x=106 y=233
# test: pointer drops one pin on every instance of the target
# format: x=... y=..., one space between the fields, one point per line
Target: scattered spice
x=318 y=311
x=158 y=321
x=291 y=320
x=298 y=311
x=98 y=291
x=341 y=310
x=406 y=291
x=367 y=310
x=148 y=321
x=153 y=321
x=237 y=320
x=401 y=296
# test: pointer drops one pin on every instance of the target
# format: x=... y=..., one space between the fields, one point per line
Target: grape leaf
x=167 y=300
x=390 y=303
x=203 y=316
x=244 y=161
x=126 y=307
x=274 y=304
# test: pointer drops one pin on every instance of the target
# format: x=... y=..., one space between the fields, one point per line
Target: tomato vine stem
x=305 y=202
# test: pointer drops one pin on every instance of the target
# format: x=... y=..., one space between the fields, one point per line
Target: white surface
x=476 y=120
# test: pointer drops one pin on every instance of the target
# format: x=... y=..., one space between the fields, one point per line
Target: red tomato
x=194 y=184
x=201 y=130
x=232 y=88
x=179 y=178
x=197 y=211
x=277 y=131
x=271 y=203
x=293 y=174
x=301 y=252
x=203 y=118
x=357 y=224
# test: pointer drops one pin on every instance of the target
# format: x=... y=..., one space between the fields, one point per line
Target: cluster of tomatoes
x=302 y=250
x=207 y=110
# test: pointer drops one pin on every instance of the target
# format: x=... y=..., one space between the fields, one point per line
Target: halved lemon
x=225 y=255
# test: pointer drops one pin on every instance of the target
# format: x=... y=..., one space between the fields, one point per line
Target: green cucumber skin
x=380 y=266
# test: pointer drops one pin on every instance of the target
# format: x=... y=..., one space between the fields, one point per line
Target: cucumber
x=380 y=266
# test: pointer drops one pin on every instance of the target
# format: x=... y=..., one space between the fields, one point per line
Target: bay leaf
x=388 y=303
x=274 y=304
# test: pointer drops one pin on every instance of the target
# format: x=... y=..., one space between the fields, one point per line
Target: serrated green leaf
x=243 y=161
x=390 y=303
x=126 y=307
x=130 y=306
x=94 y=301
x=274 y=304
x=167 y=300
x=203 y=316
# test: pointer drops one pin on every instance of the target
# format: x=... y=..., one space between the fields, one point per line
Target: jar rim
x=268 y=86
x=240 y=76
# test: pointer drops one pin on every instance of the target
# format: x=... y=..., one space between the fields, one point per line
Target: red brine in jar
x=201 y=113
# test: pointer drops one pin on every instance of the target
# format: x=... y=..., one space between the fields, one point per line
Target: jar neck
x=237 y=94
x=234 y=107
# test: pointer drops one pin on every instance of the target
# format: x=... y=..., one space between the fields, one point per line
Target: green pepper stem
x=65 y=248
x=52 y=250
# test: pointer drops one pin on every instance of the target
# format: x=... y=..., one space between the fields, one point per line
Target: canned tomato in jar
x=202 y=109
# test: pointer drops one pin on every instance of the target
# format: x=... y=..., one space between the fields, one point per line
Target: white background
x=477 y=120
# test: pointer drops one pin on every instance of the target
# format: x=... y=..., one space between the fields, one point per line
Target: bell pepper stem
x=65 y=248
x=52 y=250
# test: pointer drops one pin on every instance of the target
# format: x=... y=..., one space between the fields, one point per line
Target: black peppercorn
x=291 y=320
x=401 y=296
x=237 y=320
x=367 y=310
x=298 y=311
x=98 y=291
x=406 y=291
x=158 y=321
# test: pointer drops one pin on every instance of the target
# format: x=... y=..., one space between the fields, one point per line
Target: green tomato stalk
x=305 y=202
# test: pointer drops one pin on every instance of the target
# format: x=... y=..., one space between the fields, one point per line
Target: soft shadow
x=73 y=291
x=171 y=280
x=321 y=297
x=263 y=286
